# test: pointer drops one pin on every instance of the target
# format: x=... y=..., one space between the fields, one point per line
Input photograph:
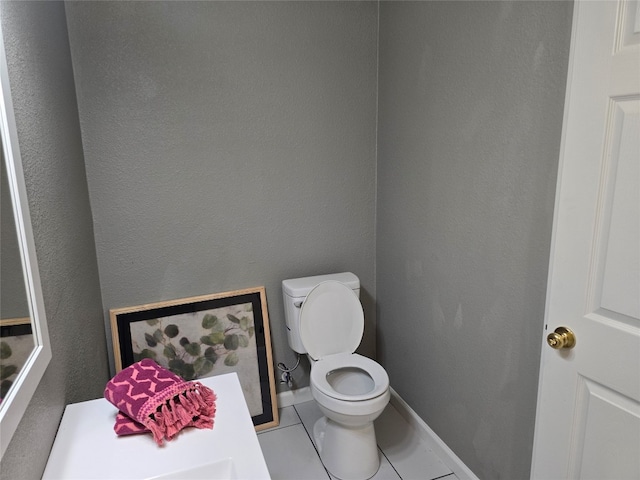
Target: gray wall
x=228 y=145
x=233 y=144
x=43 y=93
x=470 y=114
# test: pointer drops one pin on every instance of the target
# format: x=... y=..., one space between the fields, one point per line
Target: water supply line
x=285 y=377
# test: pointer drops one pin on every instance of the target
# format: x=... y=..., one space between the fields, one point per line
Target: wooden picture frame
x=203 y=336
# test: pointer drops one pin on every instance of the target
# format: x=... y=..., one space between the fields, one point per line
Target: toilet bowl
x=351 y=391
x=325 y=319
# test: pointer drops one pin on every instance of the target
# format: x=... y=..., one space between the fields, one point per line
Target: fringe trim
x=195 y=406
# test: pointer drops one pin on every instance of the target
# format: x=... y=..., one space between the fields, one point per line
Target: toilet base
x=349 y=453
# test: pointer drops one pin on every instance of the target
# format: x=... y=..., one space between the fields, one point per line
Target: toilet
x=325 y=320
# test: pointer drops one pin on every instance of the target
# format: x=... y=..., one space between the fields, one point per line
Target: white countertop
x=86 y=447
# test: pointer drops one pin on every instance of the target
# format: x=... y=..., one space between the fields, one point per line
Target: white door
x=588 y=418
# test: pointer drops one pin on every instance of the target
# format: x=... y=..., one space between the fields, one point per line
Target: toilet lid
x=331 y=320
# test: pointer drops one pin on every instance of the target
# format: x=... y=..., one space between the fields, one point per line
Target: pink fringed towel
x=151 y=398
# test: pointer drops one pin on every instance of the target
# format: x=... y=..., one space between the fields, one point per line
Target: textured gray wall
x=40 y=72
x=233 y=144
x=470 y=114
x=228 y=145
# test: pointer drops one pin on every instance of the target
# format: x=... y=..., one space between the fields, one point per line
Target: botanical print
x=204 y=343
x=14 y=352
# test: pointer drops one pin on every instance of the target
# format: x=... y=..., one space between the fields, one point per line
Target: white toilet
x=325 y=320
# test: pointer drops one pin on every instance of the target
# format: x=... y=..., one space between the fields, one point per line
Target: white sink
x=87 y=447
x=222 y=470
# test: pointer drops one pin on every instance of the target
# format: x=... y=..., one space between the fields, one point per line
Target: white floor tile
x=385 y=472
x=309 y=412
x=408 y=454
x=290 y=455
x=287 y=416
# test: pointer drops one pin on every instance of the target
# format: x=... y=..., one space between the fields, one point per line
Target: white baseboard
x=431 y=439
x=293 y=397
x=428 y=436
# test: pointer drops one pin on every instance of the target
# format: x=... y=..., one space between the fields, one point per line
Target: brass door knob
x=561 y=338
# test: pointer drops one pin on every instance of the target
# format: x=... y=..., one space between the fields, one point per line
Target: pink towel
x=151 y=398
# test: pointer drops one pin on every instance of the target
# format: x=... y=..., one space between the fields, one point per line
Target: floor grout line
x=312 y=442
x=297 y=414
x=275 y=429
x=389 y=461
x=444 y=476
x=279 y=426
x=295 y=419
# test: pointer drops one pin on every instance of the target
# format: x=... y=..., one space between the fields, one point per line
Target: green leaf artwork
x=243 y=341
x=171 y=331
x=14 y=352
x=170 y=351
x=210 y=353
x=231 y=342
x=231 y=360
x=203 y=366
x=193 y=345
x=146 y=353
x=158 y=335
x=150 y=339
x=5 y=350
x=209 y=321
x=193 y=349
x=7 y=370
x=4 y=388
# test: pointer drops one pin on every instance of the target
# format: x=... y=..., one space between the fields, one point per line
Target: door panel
x=620 y=259
x=606 y=419
x=588 y=418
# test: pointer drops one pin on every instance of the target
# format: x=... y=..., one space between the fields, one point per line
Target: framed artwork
x=202 y=336
x=16 y=345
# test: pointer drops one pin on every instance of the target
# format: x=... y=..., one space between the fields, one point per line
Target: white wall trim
x=431 y=439
x=428 y=436
x=293 y=397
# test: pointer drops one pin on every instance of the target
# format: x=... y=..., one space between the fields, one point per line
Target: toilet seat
x=331 y=327
x=332 y=363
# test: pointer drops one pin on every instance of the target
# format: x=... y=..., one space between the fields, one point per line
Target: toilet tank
x=295 y=290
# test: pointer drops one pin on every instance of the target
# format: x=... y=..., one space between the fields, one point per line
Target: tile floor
x=291 y=455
